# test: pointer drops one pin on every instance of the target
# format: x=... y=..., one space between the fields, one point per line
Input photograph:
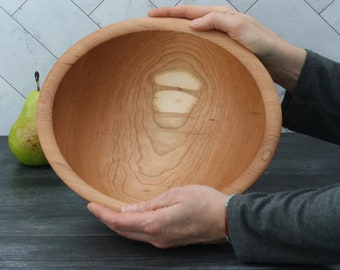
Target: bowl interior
x=149 y=110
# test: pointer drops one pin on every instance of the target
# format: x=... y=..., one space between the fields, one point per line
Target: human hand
x=283 y=60
x=180 y=216
x=240 y=27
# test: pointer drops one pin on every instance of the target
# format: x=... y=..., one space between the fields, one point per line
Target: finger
x=166 y=199
x=103 y=213
x=136 y=236
x=187 y=11
x=122 y=221
x=134 y=226
x=159 y=242
x=225 y=22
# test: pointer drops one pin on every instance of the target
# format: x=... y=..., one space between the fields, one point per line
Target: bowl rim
x=262 y=78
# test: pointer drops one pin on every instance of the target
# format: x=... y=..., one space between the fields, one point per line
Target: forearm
x=287 y=227
x=284 y=63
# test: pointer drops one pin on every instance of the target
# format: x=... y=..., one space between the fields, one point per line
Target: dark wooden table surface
x=45 y=225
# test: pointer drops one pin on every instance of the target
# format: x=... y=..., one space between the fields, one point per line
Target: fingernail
x=196 y=22
x=89 y=207
x=150 y=13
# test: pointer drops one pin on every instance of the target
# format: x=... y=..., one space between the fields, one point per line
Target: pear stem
x=36 y=76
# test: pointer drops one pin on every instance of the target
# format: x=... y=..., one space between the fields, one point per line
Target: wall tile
x=87 y=5
x=10 y=106
x=164 y=3
x=57 y=25
x=319 y=5
x=242 y=5
x=11 y=5
x=298 y=23
x=21 y=55
x=114 y=11
x=205 y=3
x=332 y=15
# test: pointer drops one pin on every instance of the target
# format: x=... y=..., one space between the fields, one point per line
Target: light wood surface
x=140 y=106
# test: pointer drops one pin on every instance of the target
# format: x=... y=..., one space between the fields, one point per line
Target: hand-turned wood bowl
x=144 y=105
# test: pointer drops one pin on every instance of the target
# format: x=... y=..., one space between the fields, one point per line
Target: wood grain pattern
x=144 y=105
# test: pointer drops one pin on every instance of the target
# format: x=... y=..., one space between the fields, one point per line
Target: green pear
x=23 y=138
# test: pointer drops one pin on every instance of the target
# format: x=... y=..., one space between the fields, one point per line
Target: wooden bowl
x=140 y=106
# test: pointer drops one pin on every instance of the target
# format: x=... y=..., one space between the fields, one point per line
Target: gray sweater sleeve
x=314 y=109
x=302 y=226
